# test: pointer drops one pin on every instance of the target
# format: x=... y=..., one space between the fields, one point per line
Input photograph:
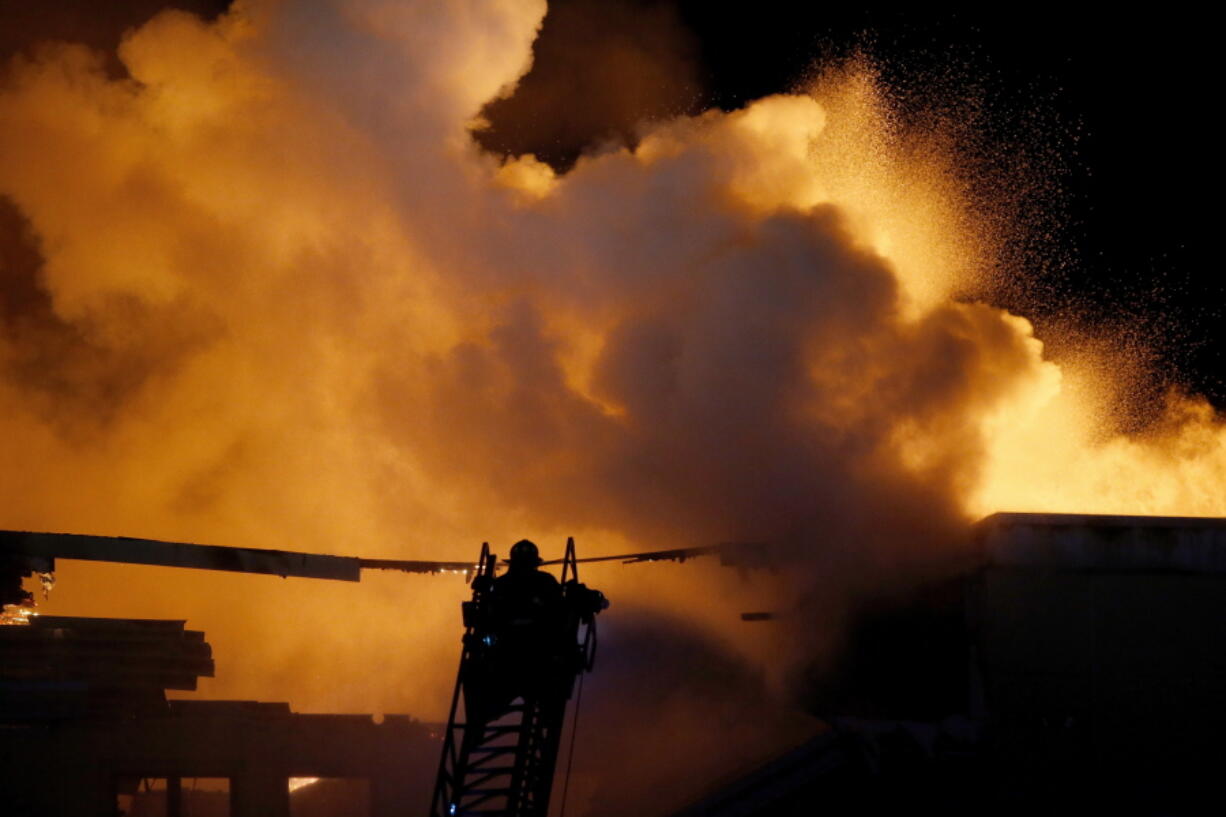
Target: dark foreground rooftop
x=1088 y=658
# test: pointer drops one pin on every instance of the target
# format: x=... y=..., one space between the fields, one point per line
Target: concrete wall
x=1100 y=646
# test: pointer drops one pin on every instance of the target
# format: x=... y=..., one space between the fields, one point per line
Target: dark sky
x=1115 y=110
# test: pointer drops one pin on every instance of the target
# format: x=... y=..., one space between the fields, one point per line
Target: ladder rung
x=475 y=783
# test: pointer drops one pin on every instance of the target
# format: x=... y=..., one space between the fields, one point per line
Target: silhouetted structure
x=84 y=716
x=1079 y=669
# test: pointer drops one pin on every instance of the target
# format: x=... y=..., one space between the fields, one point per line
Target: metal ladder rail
x=481 y=784
x=539 y=756
x=454 y=749
x=485 y=786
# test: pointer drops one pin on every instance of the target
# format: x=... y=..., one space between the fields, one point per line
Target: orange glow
x=16 y=615
x=289 y=304
x=1056 y=458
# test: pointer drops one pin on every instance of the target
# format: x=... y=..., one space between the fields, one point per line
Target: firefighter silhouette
x=522 y=639
x=527 y=638
x=527 y=620
x=525 y=602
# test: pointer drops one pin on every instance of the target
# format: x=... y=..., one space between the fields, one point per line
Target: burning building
x=261 y=285
x=1076 y=669
x=1078 y=661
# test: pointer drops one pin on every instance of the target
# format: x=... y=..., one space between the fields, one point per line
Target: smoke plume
x=266 y=290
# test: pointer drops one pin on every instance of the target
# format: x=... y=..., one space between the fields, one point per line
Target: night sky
x=1113 y=111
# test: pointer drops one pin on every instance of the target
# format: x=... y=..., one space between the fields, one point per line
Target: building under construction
x=1078 y=667
x=86 y=727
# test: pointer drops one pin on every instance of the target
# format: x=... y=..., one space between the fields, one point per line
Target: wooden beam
x=46 y=547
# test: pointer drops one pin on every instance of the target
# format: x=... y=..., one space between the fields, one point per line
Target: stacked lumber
x=57 y=664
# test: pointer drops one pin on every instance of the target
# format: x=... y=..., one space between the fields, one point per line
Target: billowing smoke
x=267 y=290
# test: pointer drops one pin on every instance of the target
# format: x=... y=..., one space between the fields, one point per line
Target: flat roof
x=1104 y=542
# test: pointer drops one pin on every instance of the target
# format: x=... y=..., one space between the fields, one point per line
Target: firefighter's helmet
x=525 y=553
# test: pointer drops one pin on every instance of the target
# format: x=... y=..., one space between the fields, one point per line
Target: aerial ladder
x=500 y=749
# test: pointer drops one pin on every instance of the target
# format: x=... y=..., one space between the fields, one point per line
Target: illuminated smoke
x=267 y=291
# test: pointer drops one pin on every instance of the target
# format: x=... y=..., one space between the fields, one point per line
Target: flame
x=19 y=614
x=16 y=614
x=282 y=300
